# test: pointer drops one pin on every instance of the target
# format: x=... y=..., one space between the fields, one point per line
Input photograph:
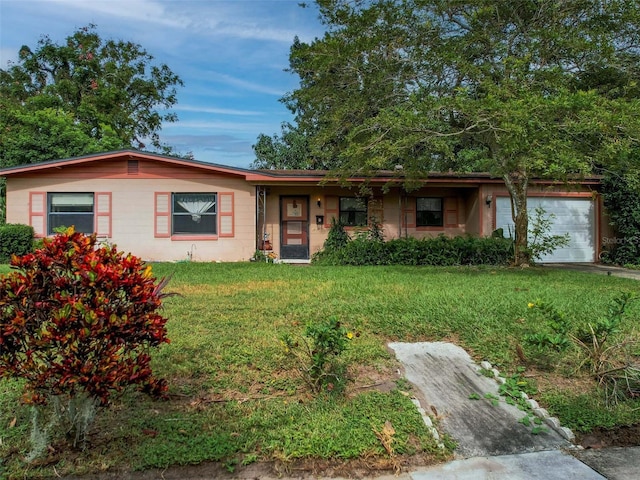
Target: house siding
x=132 y=203
x=132 y=211
x=460 y=208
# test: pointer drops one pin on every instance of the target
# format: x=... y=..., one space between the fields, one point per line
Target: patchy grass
x=234 y=400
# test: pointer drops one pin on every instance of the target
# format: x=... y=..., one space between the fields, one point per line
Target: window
x=70 y=209
x=194 y=214
x=353 y=211
x=429 y=212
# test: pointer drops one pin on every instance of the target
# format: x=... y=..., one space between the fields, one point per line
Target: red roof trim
x=122 y=155
x=273 y=176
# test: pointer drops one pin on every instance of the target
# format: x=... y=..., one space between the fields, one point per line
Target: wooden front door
x=294 y=228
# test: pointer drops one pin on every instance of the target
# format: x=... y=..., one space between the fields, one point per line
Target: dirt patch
x=300 y=469
x=628 y=436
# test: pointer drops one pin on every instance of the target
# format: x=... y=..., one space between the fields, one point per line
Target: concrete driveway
x=596 y=268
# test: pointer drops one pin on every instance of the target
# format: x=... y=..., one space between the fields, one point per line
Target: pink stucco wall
x=132 y=209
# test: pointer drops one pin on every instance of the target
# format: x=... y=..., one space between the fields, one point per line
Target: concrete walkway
x=492 y=443
x=467 y=403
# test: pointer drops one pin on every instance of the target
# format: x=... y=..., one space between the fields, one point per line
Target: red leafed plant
x=77 y=321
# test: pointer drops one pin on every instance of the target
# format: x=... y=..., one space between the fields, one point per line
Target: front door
x=294 y=228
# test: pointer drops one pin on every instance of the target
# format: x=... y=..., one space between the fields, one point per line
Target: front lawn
x=234 y=396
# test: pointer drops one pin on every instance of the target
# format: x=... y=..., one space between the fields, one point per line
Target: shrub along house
x=165 y=208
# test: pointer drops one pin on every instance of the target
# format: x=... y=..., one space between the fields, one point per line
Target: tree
x=622 y=201
x=289 y=151
x=472 y=85
x=109 y=89
x=38 y=135
x=77 y=321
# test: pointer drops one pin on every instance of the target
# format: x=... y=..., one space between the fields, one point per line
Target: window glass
x=353 y=211
x=429 y=212
x=194 y=213
x=70 y=209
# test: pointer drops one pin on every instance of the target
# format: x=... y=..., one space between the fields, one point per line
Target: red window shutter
x=409 y=212
x=451 y=212
x=225 y=215
x=103 y=214
x=38 y=213
x=162 y=215
x=331 y=209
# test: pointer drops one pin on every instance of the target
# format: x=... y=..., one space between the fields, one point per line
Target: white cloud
x=246 y=85
x=242 y=19
x=218 y=111
x=217 y=125
x=138 y=10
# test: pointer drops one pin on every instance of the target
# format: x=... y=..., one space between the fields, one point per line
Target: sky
x=230 y=54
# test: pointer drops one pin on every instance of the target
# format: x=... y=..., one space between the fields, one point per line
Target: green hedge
x=622 y=201
x=15 y=239
x=437 y=251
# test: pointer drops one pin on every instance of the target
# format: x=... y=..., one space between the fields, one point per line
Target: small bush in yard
x=551 y=338
x=76 y=324
x=318 y=353
x=15 y=239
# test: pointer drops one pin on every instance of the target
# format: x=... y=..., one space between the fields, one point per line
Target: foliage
x=436 y=251
x=77 y=322
x=518 y=90
x=545 y=345
x=83 y=96
x=514 y=386
x=585 y=411
x=318 y=355
x=622 y=201
x=337 y=237
x=540 y=241
x=266 y=257
x=259 y=256
x=32 y=135
x=15 y=239
x=515 y=390
x=602 y=348
x=289 y=151
x=375 y=232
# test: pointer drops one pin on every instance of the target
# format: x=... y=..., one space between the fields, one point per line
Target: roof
x=129 y=154
x=260 y=176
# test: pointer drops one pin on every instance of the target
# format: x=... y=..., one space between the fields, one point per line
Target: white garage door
x=574 y=216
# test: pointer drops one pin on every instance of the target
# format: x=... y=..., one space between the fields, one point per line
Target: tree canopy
x=291 y=150
x=80 y=97
x=523 y=89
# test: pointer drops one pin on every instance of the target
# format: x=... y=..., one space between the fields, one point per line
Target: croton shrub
x=79 y=319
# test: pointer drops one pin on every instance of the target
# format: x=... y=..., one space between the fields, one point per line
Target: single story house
x=164 y=208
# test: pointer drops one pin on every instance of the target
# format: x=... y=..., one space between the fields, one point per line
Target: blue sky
x=231 y=55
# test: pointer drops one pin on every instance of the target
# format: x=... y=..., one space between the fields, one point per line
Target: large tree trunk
x=517 y=184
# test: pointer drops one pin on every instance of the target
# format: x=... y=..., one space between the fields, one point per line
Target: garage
x=574 y=216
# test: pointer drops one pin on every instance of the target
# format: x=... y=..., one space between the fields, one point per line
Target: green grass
x=234 y=396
